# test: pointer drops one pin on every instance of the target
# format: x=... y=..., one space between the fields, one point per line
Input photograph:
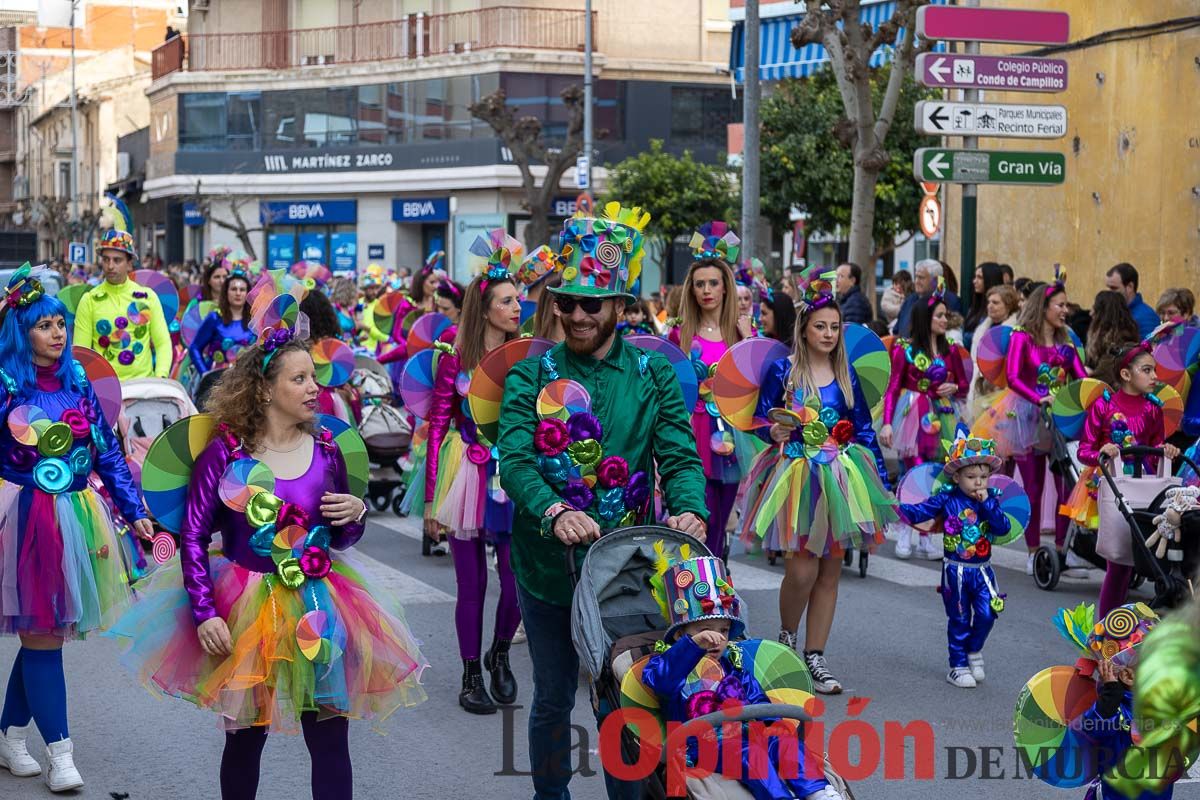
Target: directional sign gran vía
x=1006 y=120
x=988 y=166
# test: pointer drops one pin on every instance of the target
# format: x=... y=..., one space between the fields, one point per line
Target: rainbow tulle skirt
x=821 y=506
x=1014 y=424
x=362 y=663
x=467 y=497
x=1081 y=506
x=923 y=427
x=64 y=565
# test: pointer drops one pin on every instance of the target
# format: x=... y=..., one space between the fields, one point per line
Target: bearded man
x=638 y=428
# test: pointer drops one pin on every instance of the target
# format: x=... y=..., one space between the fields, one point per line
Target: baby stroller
x=150 y=405
x=1080 y=540
x=615 y=622
x=385 y=430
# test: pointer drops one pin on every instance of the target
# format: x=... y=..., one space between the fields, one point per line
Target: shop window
x=244 y=112
x=203 y=122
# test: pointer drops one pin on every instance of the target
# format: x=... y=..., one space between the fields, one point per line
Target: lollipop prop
x=487 y=382
x=334 y=362
x=991 y=355
x=740 y=373
x=168 y=468
x=1070 y=407
x=354 y=453
x=679 y=362
x=103 y=379
x=869 y=358
x=1048 y=703
x=427 y=330
x=163 y=287
x=416 y=383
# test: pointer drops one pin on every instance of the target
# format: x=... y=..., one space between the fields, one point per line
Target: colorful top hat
x=602 y=256
x=969 y=450
x=692 y=589
x=1116 y=638
x=114 y=239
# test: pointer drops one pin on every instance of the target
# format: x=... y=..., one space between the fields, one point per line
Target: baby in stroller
x=701 y=666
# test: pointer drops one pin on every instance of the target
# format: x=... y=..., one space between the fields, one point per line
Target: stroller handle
x=1139 y=452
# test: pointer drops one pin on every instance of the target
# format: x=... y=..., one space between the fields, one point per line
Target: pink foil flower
x=612 y=471
x=551 y=437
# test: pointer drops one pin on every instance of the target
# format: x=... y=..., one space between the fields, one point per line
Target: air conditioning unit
x=122 y=166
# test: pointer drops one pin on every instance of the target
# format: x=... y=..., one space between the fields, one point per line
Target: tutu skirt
x=1015 y=424
x=65 y=566
x=922 y=430
x=821 y=507
x=1081 y=506
x=413 y=502
x=371 y=667
x=468 y=498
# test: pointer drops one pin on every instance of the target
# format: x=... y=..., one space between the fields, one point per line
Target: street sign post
x=77 y=253
x=1003 y=25
x=582 y=173
x=1002 y=73
x=989 y=166
x=930 y=216
x=1006 y=120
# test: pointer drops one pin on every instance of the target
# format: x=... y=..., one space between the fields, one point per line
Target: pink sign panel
x=1010 y=26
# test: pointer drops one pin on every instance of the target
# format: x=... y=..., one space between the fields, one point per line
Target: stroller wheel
x=380 y=502
x=862 y=563
x=1045 y=568
x=397 y=505
x=1136 y=581
x=848 y=557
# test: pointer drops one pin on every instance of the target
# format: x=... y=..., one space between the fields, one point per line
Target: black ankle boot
x=473 y=697
x=495 y=661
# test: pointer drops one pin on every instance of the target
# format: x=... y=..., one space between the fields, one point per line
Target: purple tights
x=720 y=498
x=1115 y=588
x=470 y=572
x=328 y=745
x=1033 y=477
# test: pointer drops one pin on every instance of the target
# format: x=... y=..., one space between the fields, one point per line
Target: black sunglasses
x=590 y=305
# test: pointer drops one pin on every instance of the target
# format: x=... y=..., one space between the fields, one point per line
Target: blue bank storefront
x=320 y=230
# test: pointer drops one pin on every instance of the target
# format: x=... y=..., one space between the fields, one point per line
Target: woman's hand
x=1110 y=450
x=214 y=637
x=1171 y=451
x=341 y=509
x=745 y=326
x=1045 y=401
x=432 y=528
x=144 y=528
x=781 y=433
x=947 y=389
x=885 y=436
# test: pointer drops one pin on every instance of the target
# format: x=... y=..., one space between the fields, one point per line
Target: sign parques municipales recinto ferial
x=1003 y=120
x=1000 y=73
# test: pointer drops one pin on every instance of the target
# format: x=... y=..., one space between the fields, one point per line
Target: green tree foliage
x=808 y=158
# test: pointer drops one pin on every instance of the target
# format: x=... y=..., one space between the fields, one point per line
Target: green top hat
x=602 y=256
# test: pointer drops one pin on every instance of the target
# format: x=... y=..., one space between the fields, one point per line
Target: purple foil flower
x=937 y=373
x=126 y=357
x=582 y=425
x=578 y=496
x=637 y=492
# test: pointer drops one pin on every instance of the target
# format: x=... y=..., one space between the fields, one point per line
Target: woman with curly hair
x=273 y=629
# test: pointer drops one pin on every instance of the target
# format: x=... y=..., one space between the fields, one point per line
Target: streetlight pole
x=750 y=161
x=587 y=89
x=74 y=128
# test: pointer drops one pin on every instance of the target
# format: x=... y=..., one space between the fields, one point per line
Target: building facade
x=346 y=124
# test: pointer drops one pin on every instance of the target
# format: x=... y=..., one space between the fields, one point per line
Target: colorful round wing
x=408 y=322
x=1071 y=404
x=416 y=383
x=679 y=362
x=334 y=361
x=869 y=358
x=740 y=373
x=71 y=295
x=354 y=452
x=920 y=483
x=1079 y=348
x=1172 y=408
x=193 y=318
x=243 y=479
x=964 y=357
x=487 y=382
x=636 y=695
x=385 y=310
x=1176 y=355
x=775 y=666
x=1048 y=703
x=103 y=379
x=991 y=354
x=284 y=310
x=562 y=398
x=1015 y=505
x=163 y=287
x=427 y=330
x=168 y=466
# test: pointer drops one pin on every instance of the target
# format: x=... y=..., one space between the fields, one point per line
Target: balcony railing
x=415 y=36
x=167 y=57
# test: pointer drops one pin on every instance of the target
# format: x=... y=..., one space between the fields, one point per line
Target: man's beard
x=603 y=330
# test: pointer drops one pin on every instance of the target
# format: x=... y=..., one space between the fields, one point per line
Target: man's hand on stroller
x=576 y=527
x=689 y=523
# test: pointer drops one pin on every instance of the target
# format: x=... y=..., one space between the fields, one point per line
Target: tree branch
x=901 y=63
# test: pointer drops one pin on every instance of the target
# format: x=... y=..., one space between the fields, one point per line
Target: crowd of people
x=274 y=629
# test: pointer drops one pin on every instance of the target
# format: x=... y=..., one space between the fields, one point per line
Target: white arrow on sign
x=937 y=165
x=939 y=70
x=1003 y=120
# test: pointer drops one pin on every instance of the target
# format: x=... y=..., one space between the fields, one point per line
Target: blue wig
x=16 y=355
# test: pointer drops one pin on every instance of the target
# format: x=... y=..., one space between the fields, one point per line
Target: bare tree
x=236 y=202
x=523 y=137
x=51 y=217
x=837 y=25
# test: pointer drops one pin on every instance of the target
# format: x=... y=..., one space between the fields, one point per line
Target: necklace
x=291 y=450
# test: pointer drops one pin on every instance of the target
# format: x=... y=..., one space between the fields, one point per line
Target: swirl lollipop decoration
x=740 y=373
x=1172 y=408
x=1070 y=407
x=992 y=354
x=1015 y=505
x=416 y=382
x=283 y=311
x=27 y=424
x=680 y=362
x=103 y=379
x=163 y=547
x=317 y=636
x=869 y=357
x=243 y=479
x=354 y=452
x=487 y=382
x=561 y=399
x=425 y=331
x=1048 y=703
x=334 y=362
x=386 y=310
x=168 y=466
x=163 y=287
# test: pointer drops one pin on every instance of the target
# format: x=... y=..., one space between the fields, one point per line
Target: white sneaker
x=828 y=793
x=1075 y=562
x=1029 y=564
x=904 y=544
x=61 y=775
x=519 y=636
x=975 y=660
x=928 y=550
x=962 y=678
x=14 y=756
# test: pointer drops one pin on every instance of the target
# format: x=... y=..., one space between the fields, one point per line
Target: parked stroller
x=386 y=431
x=1080 y=540
x=149 y=406
x=615 y=622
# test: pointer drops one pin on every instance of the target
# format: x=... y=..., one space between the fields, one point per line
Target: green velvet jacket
x=636 y=396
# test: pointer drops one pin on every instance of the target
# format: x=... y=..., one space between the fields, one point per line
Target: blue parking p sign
x=77 y=253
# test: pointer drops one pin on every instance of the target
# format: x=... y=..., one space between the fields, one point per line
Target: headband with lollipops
x=1059 y=284
x=817 y=287
x=493 y=255
x=716 y=240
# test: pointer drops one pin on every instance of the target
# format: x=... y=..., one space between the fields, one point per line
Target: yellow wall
x=1132 y=191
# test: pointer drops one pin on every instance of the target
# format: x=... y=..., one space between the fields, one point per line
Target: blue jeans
x=555 y=681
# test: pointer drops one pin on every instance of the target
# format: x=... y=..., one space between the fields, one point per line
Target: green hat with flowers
x=602 y=255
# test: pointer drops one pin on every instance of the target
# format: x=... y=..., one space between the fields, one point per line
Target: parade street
x=888 y=645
